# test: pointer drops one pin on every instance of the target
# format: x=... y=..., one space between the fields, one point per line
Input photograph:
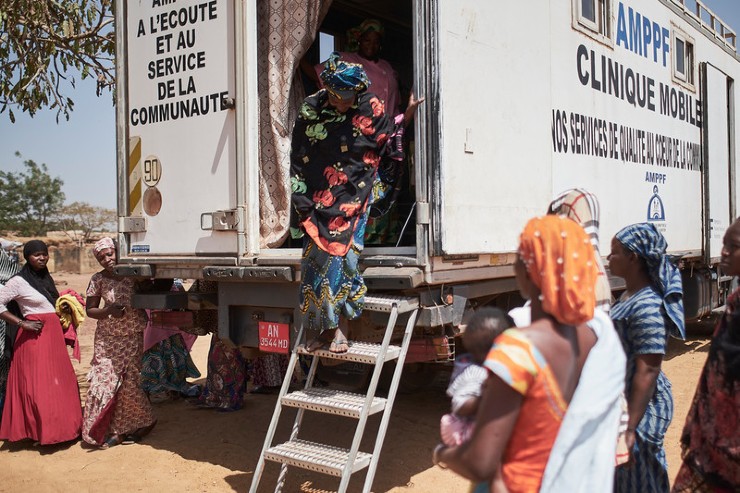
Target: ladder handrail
x=276 y=415
x=392 y=391
x=360 y=430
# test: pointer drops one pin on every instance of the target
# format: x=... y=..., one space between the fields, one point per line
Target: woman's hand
x=479 y=458
x=115 y=310
x=414 y=103
x=31 y=325
x=629 y=440
x=644 y=382
x=435 y=456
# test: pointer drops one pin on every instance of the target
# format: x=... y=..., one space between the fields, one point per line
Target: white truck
x=633 y=100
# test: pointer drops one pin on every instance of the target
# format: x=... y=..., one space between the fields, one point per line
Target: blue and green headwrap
x=648 y=243
x=342 y=77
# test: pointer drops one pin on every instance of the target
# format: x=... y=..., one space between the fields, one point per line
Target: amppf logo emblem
x=655 y=209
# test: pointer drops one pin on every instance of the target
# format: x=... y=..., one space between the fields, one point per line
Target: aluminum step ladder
x=328 y=459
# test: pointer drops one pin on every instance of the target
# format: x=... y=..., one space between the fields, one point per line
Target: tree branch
x=57 y=35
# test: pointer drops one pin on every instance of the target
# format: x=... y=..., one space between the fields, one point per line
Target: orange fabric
x=559 y=259
x=521 y=366
x=331 y=247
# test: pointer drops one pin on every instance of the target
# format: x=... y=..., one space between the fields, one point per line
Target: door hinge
x=422 y=212
x=131 y=224
x=219 y=220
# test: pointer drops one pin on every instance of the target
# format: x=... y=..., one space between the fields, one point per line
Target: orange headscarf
x=559 y=259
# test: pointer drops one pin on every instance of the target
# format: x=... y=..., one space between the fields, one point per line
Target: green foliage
x=29 y=200
x=79 y=220
x=43 y=43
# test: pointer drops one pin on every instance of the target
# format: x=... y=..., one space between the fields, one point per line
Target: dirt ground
x=203 y=450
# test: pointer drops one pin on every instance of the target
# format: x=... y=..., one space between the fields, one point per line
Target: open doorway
x=392 y=220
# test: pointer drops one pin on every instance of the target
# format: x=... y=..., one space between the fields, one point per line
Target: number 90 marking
x=152 y=171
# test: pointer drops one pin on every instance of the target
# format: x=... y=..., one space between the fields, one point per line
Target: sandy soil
x=202 y=450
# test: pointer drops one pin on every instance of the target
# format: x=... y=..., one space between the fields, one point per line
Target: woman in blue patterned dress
x=339 y=140
x=650 y=310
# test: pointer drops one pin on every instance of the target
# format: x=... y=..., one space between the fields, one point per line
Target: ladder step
x=332 y=402
x=384 y=303
x=316 y=457
x=359 y=352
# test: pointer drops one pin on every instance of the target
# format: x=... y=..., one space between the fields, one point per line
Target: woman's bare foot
x=339 y=344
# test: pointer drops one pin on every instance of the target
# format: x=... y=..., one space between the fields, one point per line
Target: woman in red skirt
x=43 y=399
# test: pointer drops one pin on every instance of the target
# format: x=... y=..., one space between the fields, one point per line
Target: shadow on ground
x=698 y=338
x=233 y=440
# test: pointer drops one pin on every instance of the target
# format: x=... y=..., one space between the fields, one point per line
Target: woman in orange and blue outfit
x=533 y=371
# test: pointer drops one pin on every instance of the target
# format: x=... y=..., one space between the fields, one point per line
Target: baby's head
x=483 y=327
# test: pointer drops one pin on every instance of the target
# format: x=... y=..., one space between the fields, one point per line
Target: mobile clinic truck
x=635 y=101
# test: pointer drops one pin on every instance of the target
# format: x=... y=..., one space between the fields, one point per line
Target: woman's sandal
x=112 y=441
x=314 y=344
x=319 y=342
x=136 y=436
x=130 y=439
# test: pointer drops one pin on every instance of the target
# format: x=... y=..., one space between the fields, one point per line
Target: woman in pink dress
x=365 y=42
x=363 y=47
x=43 y=398
x=116 y=410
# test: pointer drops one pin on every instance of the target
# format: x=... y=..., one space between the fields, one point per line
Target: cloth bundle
x=70 y=308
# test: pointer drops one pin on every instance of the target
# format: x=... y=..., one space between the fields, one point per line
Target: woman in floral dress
x=116 y=410
x=340 y=137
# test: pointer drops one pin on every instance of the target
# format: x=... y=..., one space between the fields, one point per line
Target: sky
x=82 y=151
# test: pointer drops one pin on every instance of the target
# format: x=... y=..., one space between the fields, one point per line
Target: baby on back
x=468 y=376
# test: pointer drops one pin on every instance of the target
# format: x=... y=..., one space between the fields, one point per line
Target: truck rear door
x=718 y=175
x=493 y=174
x=178 y=186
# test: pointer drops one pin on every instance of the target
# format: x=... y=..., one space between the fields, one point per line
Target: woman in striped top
x=8 y=268
x=650 y=309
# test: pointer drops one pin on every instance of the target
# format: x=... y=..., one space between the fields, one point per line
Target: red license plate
x=274 y=337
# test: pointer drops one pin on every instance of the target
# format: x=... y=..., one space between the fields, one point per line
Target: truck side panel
x=524 y=119
x=624 y=134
